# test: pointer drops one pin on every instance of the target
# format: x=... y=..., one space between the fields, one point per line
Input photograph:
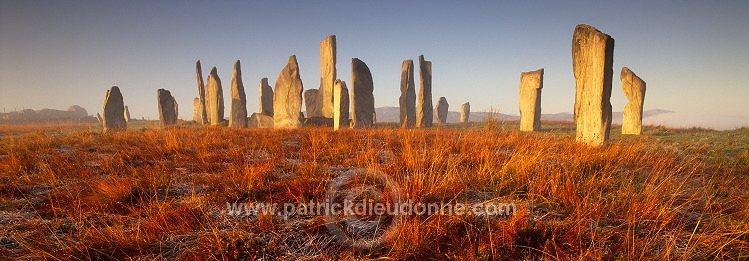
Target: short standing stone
x=238 y=114
x=465 y=112
x=424 y=113
x=592 y=62
x=259 y=120
x=531 y=84
x=634 y=89
x=114 y=111
x=407 y=99
x=197 y=110
x=214 y=98
x=127 y=114
x=287 y=98
x=362 y=97
x=340 y=105
x=266 y=97
x=167 y=108
x=327 y=76
x=442 y=111
x=203 y=119
x=312 y=101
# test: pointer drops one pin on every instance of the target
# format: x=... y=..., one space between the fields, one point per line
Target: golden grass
x=162 y=193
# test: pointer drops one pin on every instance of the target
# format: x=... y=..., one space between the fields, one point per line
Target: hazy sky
x=694 y=55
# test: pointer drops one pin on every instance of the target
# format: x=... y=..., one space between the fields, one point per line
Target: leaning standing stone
x=287 y=98
x=592 y=61
x=214 y=98
x=634 y=89
x=203 y=119
x=531 y=84
x=238 y=114
x=424 y=113
x=114 y=111
x=465 y=112
x=441 y=109
x=340 y=105
x=407 y=99
x=362 y=97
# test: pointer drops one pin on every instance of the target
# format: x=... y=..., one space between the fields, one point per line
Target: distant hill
x=392 y=114
x=74 y=114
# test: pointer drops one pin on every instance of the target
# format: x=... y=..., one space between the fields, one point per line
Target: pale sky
x=694 y=55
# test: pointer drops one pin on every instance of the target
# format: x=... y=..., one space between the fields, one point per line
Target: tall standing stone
x=196 y=110
x=592 y=62
x=127 y=114
x=266 y=98
x=238 y=114
x=114 y=111
x=287 y=98
x=531 y=84
x=214 y=99
x=407 y=99
x=442 y=111
x=167 y=108
x=327 y=75
x=634 y=89
x=203 y=119
x=340 y=105
x=362 y=96
x=465 y=112
x=424 y=113
x=312 y=103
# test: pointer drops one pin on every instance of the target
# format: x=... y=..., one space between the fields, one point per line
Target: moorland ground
x=69 y=191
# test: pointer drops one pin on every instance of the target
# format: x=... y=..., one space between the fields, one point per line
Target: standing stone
x=465 y=112
x=592 y=62
x=214 y=99
x=531 y=84
x=407 y=99
x=114 y=111
x=340 y=105
x=424 y=111
x=327 y=76
x=167 y=108
x=259 y=120
x=362 y=97
x=238 y=114
x=634 y=89
x=127 y=114
x=196 y=110
x=287 y=98
x=203 y=119
x=312 y=103
x=266 y=97
x=441 y=109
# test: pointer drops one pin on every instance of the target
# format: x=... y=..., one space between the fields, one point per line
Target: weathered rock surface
x=592 y=62
x=238 y=114
x=531 y=84
x=407 y=99
x=424 y=113
x=362 y=97
x=327 y=75
x=634 y=89
x=287 y=98
x=266 y=97
x=197 y=110
x=127 y=114
x=259 y=120
x=465 y=112
x=168 y=110
x=312 y=102
x=441 y=109
x=214 y=99
x=340 y=105
x=203 y=119
x=114 y=111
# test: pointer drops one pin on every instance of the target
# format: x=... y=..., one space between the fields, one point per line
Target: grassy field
x=71 y=192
